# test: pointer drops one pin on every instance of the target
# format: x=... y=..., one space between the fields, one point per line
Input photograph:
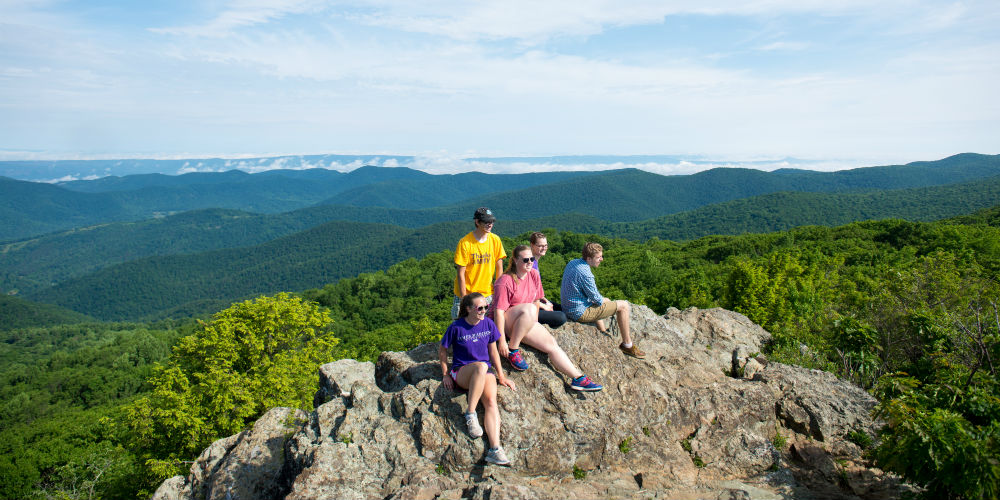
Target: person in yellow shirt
x=478 y=259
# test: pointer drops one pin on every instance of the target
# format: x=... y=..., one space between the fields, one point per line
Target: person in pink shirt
x=517 y=297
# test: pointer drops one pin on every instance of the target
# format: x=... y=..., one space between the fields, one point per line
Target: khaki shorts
x=594 y=313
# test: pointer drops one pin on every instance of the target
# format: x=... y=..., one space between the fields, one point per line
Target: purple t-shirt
x=470 y=343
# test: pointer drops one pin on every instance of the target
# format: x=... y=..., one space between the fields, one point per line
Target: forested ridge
x=904 y=309
x=788 y=209
x=190 y=285
x=195 y=262
x=30 y=209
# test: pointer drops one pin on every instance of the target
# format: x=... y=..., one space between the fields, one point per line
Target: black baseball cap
x=483 y=214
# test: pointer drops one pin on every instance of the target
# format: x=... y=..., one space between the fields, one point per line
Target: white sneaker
x=472 y=423
x=497 y=456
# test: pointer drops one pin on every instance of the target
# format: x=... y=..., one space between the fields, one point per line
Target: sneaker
x=497 y=456
x=472 y=423
x=632 y=351
x=517 y=360
x=583 y=383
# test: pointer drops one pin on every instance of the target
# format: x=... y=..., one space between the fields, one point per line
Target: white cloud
x=534 y=22
x=245 y=13
x=890 y=78
x=786 y=46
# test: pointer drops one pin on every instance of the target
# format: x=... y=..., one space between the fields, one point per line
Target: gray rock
x=672 y=425
x=335 y=379
x=173 y=488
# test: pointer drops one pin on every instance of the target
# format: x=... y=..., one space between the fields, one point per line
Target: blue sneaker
x=583 y=383
x=517 y=360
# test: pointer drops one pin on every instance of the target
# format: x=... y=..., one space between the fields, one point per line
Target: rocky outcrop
x=688 y=421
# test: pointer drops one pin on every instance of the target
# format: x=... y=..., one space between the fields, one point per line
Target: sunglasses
x=528 y=259
x=482 y=308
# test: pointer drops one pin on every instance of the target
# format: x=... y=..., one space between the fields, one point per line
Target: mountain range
x=31 y=209
x=152 y=245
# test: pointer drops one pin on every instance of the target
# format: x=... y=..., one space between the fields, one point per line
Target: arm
x=445 y=377
x=499 y=267
x=461 y=281
x=499 y=319
x=495 y=359
x=502 y=291
x=540 y=300
x=589 y=289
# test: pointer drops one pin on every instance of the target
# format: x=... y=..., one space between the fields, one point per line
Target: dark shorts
x=554 y=319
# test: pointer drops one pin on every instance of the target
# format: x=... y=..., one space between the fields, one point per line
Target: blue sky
x=844 y=82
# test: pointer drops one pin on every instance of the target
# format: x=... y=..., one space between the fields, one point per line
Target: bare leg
x=623 y=312
x=473 y=378
x=540 y=338
x=519 y=320
x=491 y=414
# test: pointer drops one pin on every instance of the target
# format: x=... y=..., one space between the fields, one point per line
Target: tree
x=940 y=325
x=253 y=356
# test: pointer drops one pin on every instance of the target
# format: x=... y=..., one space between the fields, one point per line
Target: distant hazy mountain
x=30 y=208
x=617 y=195
x=444 y=190
x=785 y=210
x=51 y=170
x=634 y=195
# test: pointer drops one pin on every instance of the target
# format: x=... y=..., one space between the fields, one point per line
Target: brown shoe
x=632 y=351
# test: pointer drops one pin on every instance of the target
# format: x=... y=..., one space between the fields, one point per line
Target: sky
x=835 y=83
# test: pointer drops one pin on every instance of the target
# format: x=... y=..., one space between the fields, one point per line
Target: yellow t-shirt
x=480 y=261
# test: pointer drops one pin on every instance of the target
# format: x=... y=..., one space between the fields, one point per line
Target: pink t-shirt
x=507 y=292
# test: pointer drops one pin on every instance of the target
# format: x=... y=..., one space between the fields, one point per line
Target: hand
x=503 y=349
x=448 y=382
x=508 y=382
x=545 y=305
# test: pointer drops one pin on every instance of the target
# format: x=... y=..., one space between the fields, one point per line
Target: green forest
x=907 y=310
x=197 y=262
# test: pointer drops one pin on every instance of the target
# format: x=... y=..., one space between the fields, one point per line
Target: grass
x=347 y=438
x=779 y=441
x=626 y=445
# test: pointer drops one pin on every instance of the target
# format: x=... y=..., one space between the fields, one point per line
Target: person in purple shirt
x=583 y=303
x=475 y=367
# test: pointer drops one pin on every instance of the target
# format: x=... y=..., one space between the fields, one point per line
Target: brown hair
x=535 y=236
x=591 y=249
x=466 y=303
x=512 y=263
